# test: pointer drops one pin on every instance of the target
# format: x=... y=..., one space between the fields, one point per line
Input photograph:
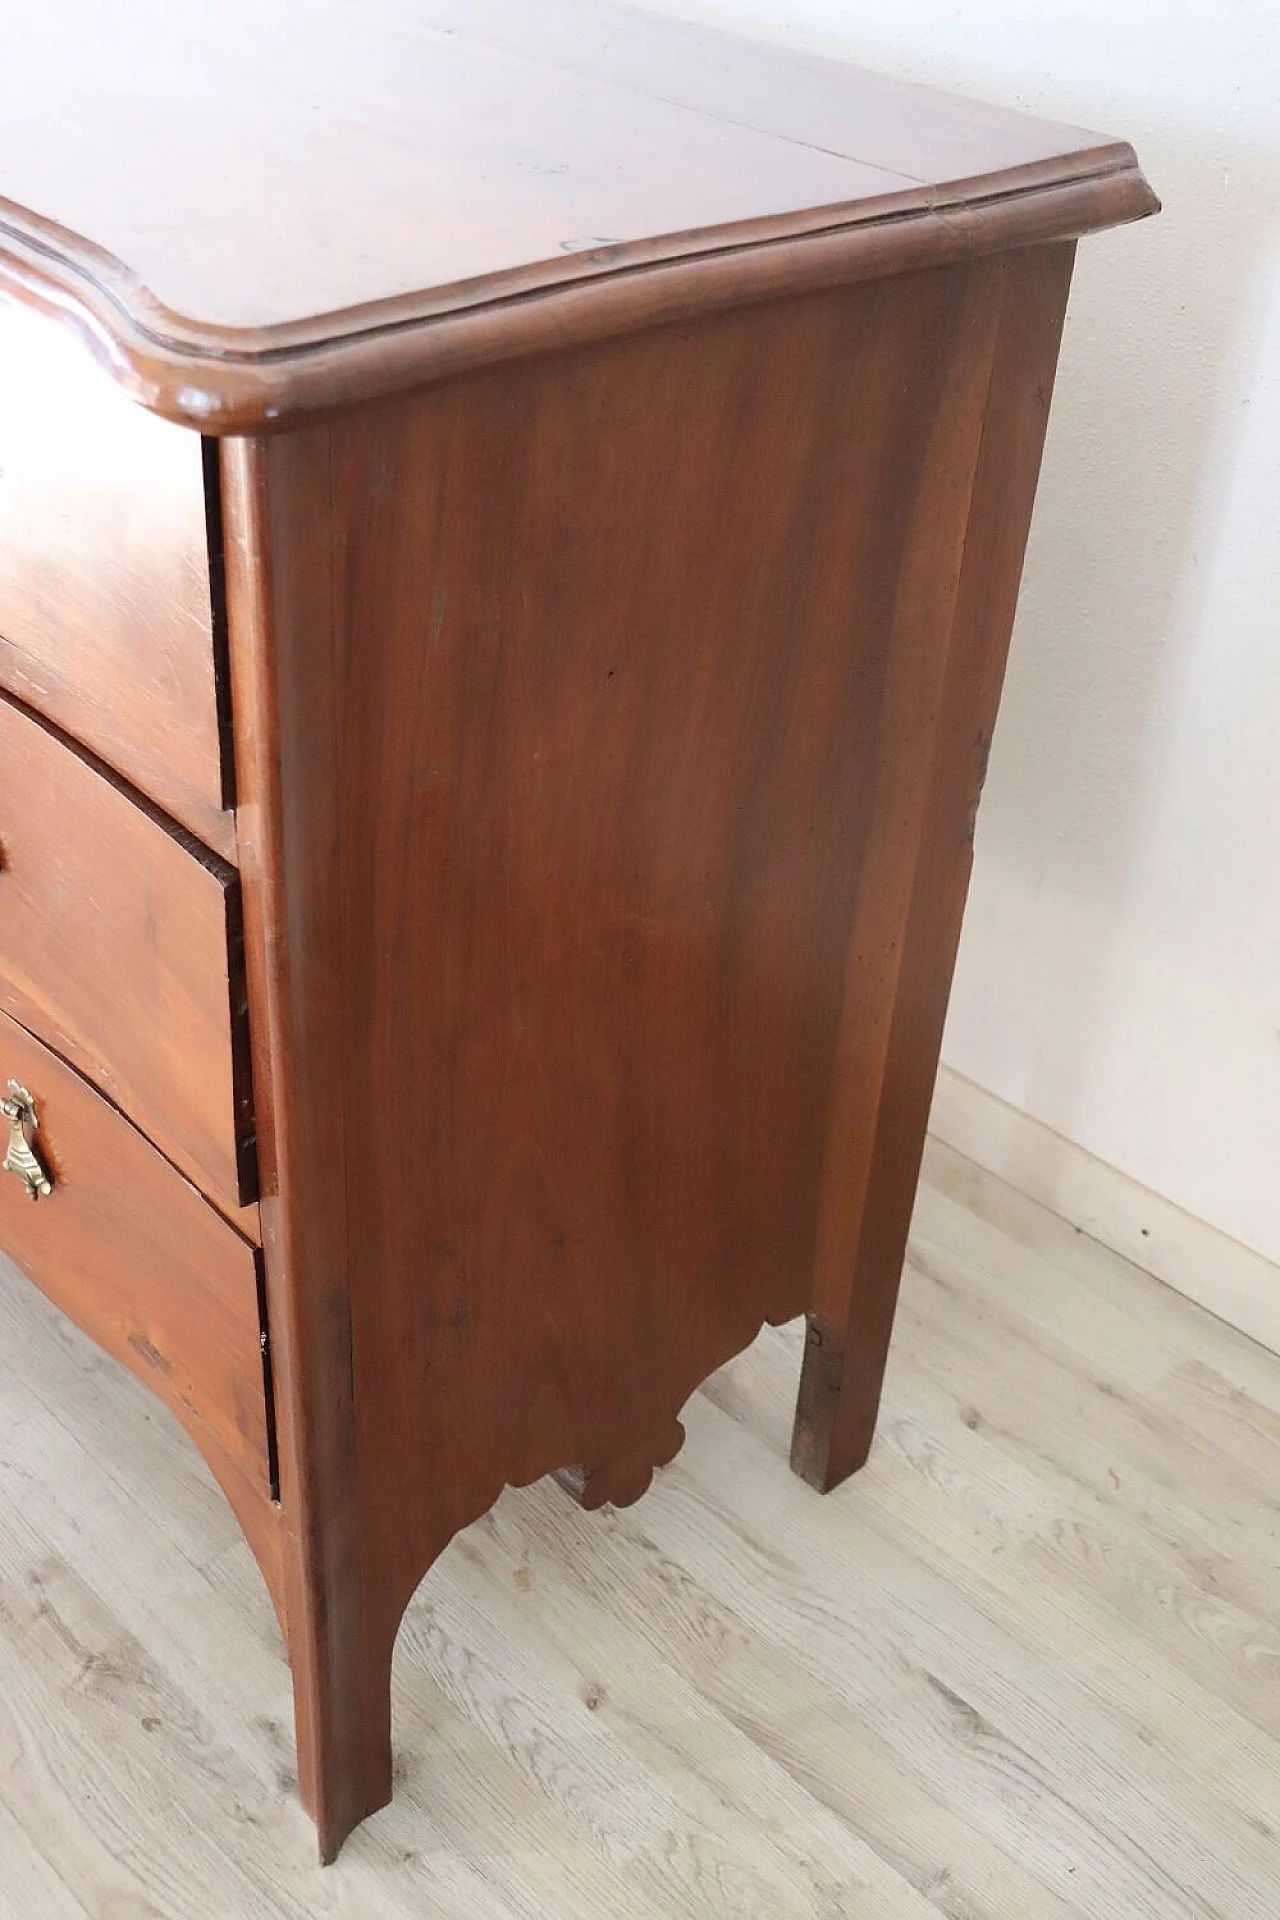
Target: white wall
x=1119 y=978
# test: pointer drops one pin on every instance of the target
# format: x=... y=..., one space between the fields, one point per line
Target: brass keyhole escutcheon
x=21 y=1157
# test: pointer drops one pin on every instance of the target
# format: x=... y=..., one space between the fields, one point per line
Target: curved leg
x=342 y=1711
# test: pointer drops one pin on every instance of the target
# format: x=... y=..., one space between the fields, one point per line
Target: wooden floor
x=1027 y=1664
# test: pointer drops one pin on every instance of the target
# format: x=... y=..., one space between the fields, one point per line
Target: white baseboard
x=1231 y=1280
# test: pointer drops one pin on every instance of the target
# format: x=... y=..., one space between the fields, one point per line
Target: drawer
x=129 y=1251
x=119 y=946
x=106 y=614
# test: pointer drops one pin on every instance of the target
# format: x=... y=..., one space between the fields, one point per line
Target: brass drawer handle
x=21 y=1157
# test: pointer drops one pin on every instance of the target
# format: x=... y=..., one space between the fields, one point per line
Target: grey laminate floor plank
x=1025 y=1667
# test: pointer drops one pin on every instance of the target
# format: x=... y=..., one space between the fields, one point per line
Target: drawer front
x=105 y=614
x=119 y=947
x=130 y=1252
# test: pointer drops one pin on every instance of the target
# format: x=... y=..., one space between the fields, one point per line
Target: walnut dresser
x=510 y=518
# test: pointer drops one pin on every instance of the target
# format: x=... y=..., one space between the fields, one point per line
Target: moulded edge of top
x=223 y=380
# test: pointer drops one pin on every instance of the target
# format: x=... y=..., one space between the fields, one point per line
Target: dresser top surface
x=273 y=177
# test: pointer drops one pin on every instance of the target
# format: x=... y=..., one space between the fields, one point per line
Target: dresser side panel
x=602 y=721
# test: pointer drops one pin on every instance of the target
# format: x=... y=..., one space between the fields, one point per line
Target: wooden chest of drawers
x=505 y=573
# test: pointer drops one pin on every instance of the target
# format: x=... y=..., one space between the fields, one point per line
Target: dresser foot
x=343 y=1718
x=837 y=1406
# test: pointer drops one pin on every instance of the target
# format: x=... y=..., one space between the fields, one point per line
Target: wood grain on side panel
x=610 y=682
